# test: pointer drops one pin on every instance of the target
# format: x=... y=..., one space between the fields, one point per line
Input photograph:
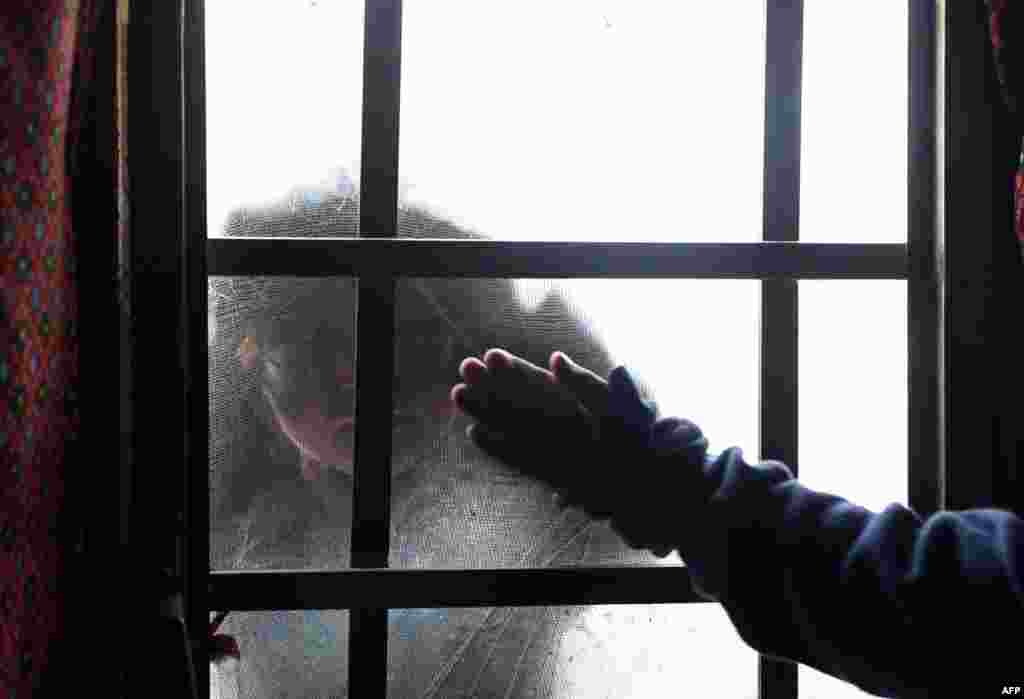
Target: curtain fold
x=47 y=65
x=1006 y=27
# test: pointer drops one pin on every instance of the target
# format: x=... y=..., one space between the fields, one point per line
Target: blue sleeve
x=898 y=605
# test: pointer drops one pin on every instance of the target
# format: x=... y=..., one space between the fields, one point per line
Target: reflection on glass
x=853 y=165
x=853 y=390
x=285 y=654
x=280 y=404
x=283 y=102
x=691 y=343
x=585 y=121
x=614 y=651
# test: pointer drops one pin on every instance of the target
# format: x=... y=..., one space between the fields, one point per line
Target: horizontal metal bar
x=403 y=257
x=409 y=589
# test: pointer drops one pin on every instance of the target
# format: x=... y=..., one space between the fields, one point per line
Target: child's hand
x=544 y=426
x=560 y=426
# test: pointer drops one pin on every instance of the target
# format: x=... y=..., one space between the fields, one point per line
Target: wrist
x=643 y=471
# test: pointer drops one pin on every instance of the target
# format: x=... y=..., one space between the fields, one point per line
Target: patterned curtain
x=1006 y=22
x=47 y=66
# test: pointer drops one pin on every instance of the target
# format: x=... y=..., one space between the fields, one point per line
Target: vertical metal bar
x=925 y=460
x=778 y=389
x=375 y=334
x=197 y=480
x=155 y=138
x=374 y=369
x=978 y=159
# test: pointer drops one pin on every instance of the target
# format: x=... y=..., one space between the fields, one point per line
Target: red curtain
x=1006 y=23
x=47 y=65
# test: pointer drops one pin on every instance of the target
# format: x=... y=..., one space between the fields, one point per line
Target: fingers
x=501 y=375
x=500 y=362
x=590 y=389
x=477 y=373
x=526 y=405
x=472 y=370
x=466 y=400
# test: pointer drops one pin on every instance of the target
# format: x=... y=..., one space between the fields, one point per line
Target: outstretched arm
x=898 y=605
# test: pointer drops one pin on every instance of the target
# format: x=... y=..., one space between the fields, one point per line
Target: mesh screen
x=264 y=513
x=452 y=506
x=279 y=345
x=614 y=651
x=282 y=399
x=303 y=213
x=285 y=655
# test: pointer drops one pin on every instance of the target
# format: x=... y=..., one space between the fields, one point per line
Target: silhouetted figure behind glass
x=282 y=426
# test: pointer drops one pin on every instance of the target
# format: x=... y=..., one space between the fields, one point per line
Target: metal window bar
x=777 y=679
x=425 y=588
x=778 y=263
x=197 y=477
x=375 y=339
x=925 y=251
x=487 y=259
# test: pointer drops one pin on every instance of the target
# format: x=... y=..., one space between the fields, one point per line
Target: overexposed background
x=617 y=120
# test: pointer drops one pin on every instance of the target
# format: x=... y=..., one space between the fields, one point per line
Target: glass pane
x=285 y=655
x=854 y=119
x=817 y=685
x=614 y=651
x=452 y=506
x=853 y=390
x=615 y=120
x=283 y=104
x=280 y=446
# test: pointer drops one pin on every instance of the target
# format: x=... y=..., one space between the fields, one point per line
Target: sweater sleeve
x=898 y=605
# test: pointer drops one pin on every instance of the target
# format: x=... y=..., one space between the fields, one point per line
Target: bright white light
x=693 y=342
x=284 y=98
x=650 y=651
x=853 y=162
x=586 y=121
x=853 y=390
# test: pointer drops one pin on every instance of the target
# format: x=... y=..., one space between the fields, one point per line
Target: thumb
x=589 y=388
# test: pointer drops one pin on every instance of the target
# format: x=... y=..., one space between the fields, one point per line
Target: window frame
x=167 y=39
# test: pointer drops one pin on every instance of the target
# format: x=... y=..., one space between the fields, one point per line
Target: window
x=369 y=606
